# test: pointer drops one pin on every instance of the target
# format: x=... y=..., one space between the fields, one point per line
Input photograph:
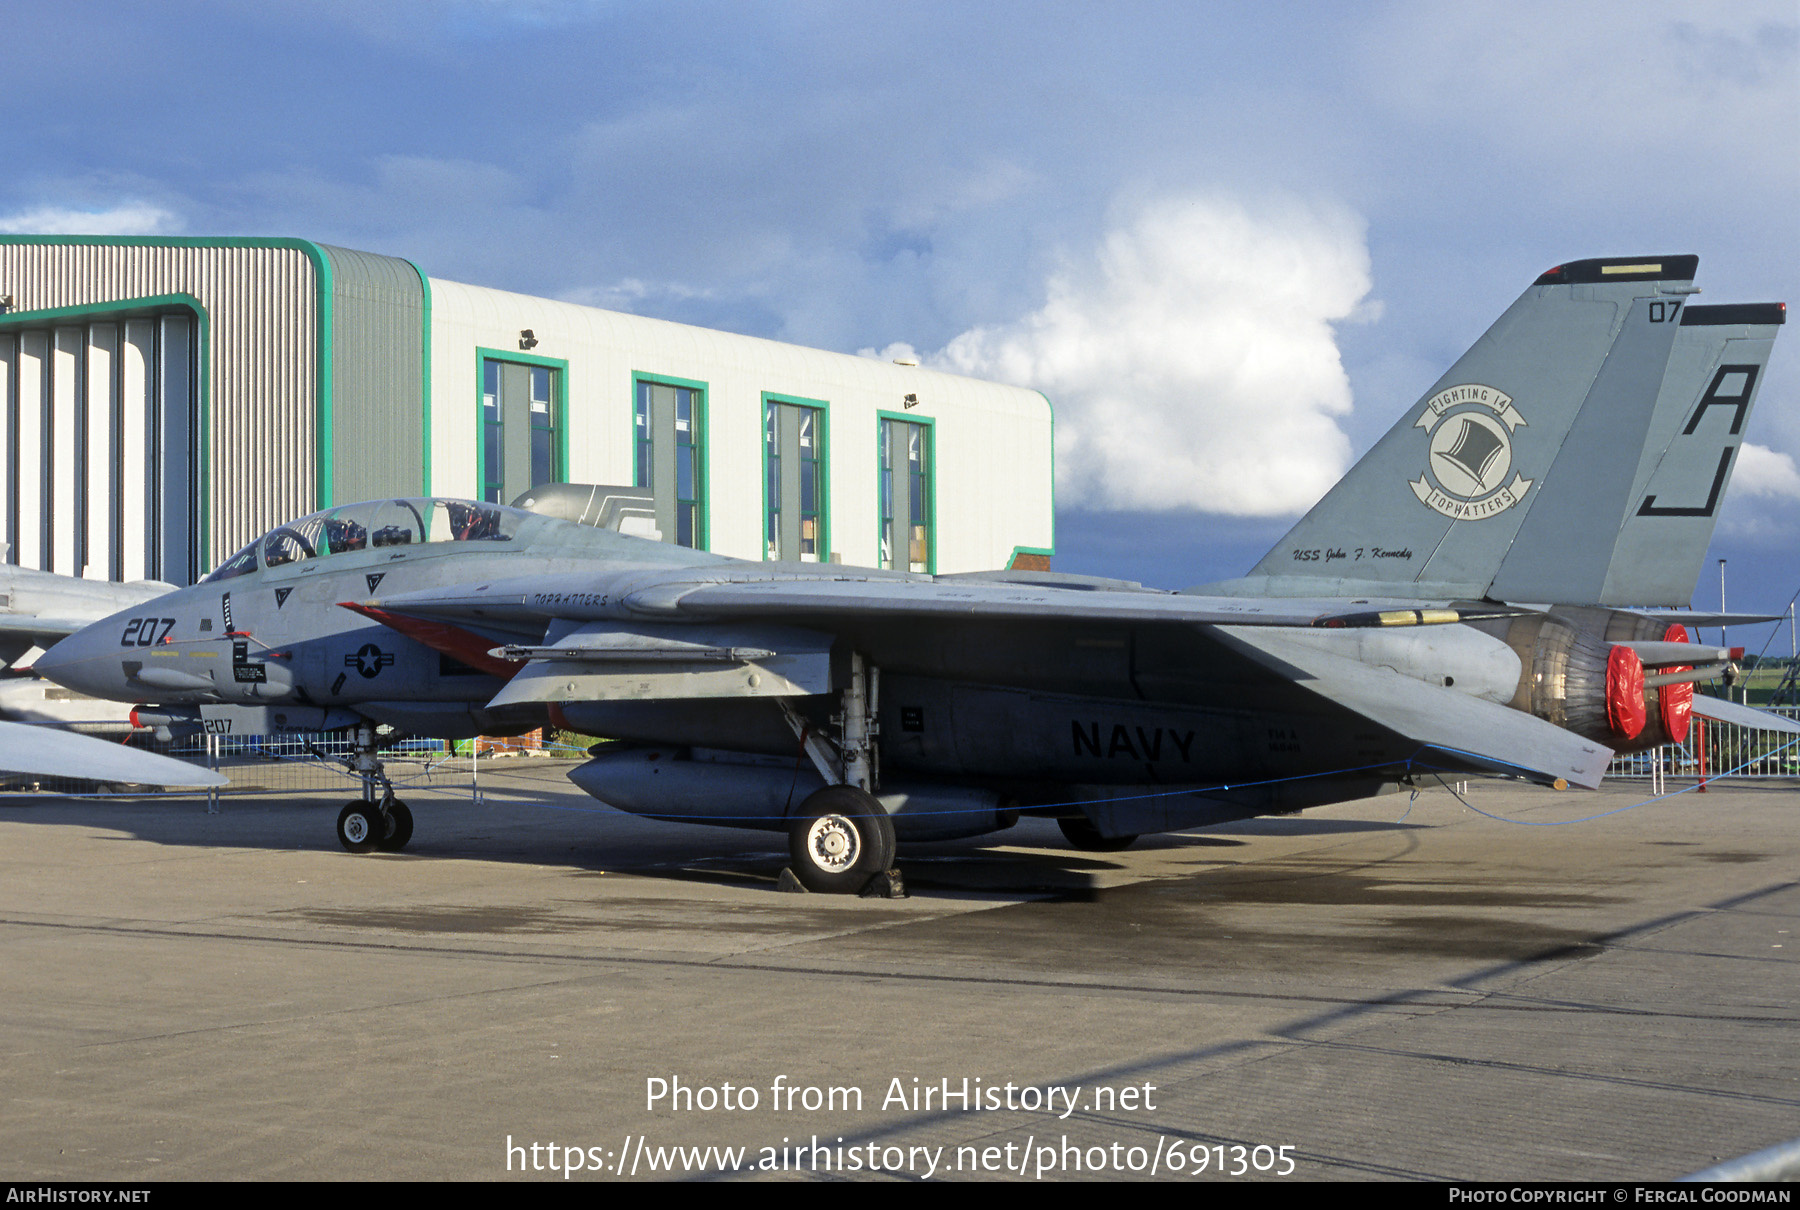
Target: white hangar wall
x=167 y=399
x=990 y=446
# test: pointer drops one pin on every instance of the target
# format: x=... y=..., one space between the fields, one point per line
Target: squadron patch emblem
x=1470 y=428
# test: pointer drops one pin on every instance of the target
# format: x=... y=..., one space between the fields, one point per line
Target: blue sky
x=1271 y=226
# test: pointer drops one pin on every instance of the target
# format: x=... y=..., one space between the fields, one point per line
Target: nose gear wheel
x=372 y=822
x=360 y=826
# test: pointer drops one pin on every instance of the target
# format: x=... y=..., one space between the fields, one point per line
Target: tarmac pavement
x=1382 y=989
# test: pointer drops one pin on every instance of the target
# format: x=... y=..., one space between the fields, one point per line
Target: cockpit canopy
x=351 y=527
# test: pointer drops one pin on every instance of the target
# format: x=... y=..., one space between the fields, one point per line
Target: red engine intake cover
x=1676 y=702
x=1625 y=712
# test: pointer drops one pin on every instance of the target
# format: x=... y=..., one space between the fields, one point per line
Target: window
x=543 y=429
x=521 y=426
x=493 y=458
x=794 y=487
x=669 y=427
x=906 y=495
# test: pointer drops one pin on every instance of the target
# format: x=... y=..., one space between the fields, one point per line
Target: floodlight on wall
x=911 y=401
x=6 y=302
x=526 y=339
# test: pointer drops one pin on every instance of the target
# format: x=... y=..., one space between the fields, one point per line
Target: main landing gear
x=841 y=838
x=373 y=822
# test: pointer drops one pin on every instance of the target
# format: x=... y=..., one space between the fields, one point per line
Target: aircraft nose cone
x=85 y=662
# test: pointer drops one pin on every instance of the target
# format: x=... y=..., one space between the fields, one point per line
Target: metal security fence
x=292 y=764
x=272 y=764
x=1730 y=751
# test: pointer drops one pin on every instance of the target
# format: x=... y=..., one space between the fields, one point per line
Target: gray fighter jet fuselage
x=1005 y=680
x=851 y=707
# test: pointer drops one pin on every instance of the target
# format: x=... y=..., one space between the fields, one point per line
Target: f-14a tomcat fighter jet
x=1575 y=455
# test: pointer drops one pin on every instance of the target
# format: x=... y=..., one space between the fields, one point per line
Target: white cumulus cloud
x=1764 y=472
x=1191 y=357
x=129 y=219
x=897 y=351
x=1763 y=502
x=633 y=294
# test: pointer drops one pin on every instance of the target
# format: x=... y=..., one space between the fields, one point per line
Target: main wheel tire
x=400 y=828
x=840 y=838
x=360 y=826
x=1080 y=832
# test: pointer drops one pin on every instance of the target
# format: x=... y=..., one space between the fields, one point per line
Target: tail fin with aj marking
x=1546 y=413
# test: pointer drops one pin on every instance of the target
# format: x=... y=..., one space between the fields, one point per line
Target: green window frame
x=906 y=457
x=521 y=423
x=796 y=478
x=669 y=454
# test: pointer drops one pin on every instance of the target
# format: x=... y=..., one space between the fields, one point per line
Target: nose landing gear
x=384 y=826
x=373 y=822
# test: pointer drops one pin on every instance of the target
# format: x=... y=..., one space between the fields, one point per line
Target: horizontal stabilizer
x=1690 y=617
x=43 y=751
x=1454 y=731
x=1743 y=716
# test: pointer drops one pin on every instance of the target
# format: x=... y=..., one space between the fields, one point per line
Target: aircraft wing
x=38 y=627
x=20 y=632
x=1454 y=730
x=37 y=608
x=936 y=599
x=664 y=636
x=45 y=751
x=764 y=597
x=689 y=635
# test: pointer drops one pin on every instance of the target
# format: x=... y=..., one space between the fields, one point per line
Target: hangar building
x=168 y=399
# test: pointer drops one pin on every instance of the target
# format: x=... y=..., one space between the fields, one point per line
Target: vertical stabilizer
x=1434 y=508
x=1698 y=428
